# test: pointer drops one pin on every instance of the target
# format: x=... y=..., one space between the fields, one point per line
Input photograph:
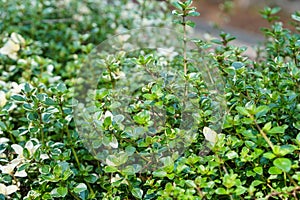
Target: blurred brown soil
x=248 y=19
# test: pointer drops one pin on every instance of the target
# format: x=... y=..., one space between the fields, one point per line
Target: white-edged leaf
x=210 y=135
x=7 y=169
x=4 y=140
x=110 y=163
x=80 y=188
x=21 y=173
x=7 y=190
x=10 y=49
x=17 y=38
x=17 y=148
x=114 y=142
x=3 y=99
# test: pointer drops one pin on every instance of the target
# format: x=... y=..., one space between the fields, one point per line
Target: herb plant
x=255 y=101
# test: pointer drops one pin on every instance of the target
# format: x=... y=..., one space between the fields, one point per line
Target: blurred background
x=241 y=18
x=243 y=14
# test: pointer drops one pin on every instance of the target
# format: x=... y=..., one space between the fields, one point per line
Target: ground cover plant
x=43 y=47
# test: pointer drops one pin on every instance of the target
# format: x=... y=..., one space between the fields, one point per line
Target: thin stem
x=10 y=134
x=41 y=126
x=66 y=128
x=199 y=192
x=91 y=189
x=263 y=134
x=292 y=180
x=76 y=157
x=75 y=197
x=149 y=72
x=184 y=45
x=225 y=170
x=284 y=177
x=112 y=80
x=275 y=193
x=185 y=57
x=12 y=137
x=143 y=10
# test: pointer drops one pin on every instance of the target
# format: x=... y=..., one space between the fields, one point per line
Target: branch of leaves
x=185 y=9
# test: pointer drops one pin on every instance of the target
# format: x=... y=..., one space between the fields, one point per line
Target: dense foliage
x=44 y=44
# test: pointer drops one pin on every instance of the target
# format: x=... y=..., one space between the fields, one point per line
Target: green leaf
x=275 y=10
x=33 y=116
x=267 y=126
x=258 y=170
x=296 y=176
x=18 y=98
x=27 y=88
x=46 y=195
x=159 y=173
x=169 y=187
x=176 y=13
x=216 y=41
x=193 y=14
x=242 y=111
x=250 y=144
x=296 y=16
x=62 y=191
x=102 y=93
x=190 y=183
x=80 y=188
x=117 y=160
x=221 y=191
x=45 y=169
x=138 y=131
x=27 y=107
x=107 y=122
x=278 y=129
x=256 y=183
x=269 y=155
x=110 y=169
x=274 y=170
x=298 y=138
x=191 y=23
x=130 y=150
x=176 y=4
x=49 y=102
x=66 y=174
x=142 y=117
x=283 y=163
x=137 y=192
x=232 y=154
x=261 y=111
x=182 y=5
x=26 y=153
x=128 y=171
x=61 y=87
x=59 y=192
x=46 y=117
x=188 y=3
x=229 y=180
x=57 y=171
x=286 y=149
x=240 y=190
x=237 y=65
x=91 y=178
x=114 y=142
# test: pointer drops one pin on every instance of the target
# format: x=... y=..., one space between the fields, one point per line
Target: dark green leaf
x=137 y=192
x=18 y=98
